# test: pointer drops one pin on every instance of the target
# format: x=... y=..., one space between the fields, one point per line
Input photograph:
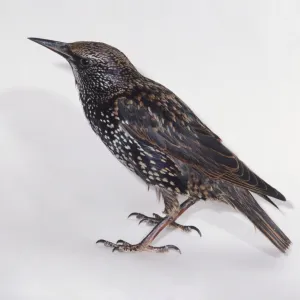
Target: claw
x=190 y=228
x=149 y=221
x=137 y=215
x=106 y=243
x=164 y=249
x=174 y=248
x=122 y=246
x=121 y=242
x=196 y=229
x=143 y=220
x=157 y=218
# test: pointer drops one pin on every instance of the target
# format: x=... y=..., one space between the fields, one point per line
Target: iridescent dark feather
x=151 y=113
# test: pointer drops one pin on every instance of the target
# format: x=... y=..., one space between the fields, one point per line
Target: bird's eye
x=84 y=62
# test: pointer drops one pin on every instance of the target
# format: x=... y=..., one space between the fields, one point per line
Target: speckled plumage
x=159 y=138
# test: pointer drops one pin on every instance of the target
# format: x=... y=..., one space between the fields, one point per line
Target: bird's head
x=97 y=67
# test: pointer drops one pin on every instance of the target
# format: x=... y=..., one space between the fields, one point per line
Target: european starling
x=159 y=138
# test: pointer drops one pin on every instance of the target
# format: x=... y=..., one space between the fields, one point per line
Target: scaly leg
x=144 y=245
x=157 y=218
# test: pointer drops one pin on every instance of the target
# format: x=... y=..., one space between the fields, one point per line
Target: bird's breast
x=149 y=163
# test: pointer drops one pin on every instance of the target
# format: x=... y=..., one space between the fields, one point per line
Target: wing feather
x=154 y=115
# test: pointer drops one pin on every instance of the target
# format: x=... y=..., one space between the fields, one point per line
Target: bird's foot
x=123 y=246
x=152 y=221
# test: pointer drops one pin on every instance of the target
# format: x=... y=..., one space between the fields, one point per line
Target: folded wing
x=162 y=120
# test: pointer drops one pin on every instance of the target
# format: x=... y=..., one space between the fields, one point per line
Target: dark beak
x=60 y=48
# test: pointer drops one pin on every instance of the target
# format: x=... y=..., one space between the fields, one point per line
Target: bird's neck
x=94 y=102
x=98 y=109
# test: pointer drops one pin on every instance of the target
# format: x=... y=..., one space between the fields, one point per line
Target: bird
x=159 y=138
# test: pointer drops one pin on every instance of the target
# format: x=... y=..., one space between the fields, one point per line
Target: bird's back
x=155 y=115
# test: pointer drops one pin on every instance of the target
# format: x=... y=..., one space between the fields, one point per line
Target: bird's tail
x=243 y=200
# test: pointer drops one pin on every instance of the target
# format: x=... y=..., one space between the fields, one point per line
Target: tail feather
x=243 y=200
x=265 y=224
x=269 y=200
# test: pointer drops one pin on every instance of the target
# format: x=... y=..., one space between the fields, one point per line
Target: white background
x=236 y=63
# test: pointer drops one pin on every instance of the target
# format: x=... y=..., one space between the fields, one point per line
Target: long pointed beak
x=59 y=47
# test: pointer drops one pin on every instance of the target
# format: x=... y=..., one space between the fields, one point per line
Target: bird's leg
x=171 y=204
x=144 y=245
x=157 y=218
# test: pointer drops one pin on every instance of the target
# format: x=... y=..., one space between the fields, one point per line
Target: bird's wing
x=158 y=118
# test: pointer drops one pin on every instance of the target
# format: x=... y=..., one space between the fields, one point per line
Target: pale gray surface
x=236 y=63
